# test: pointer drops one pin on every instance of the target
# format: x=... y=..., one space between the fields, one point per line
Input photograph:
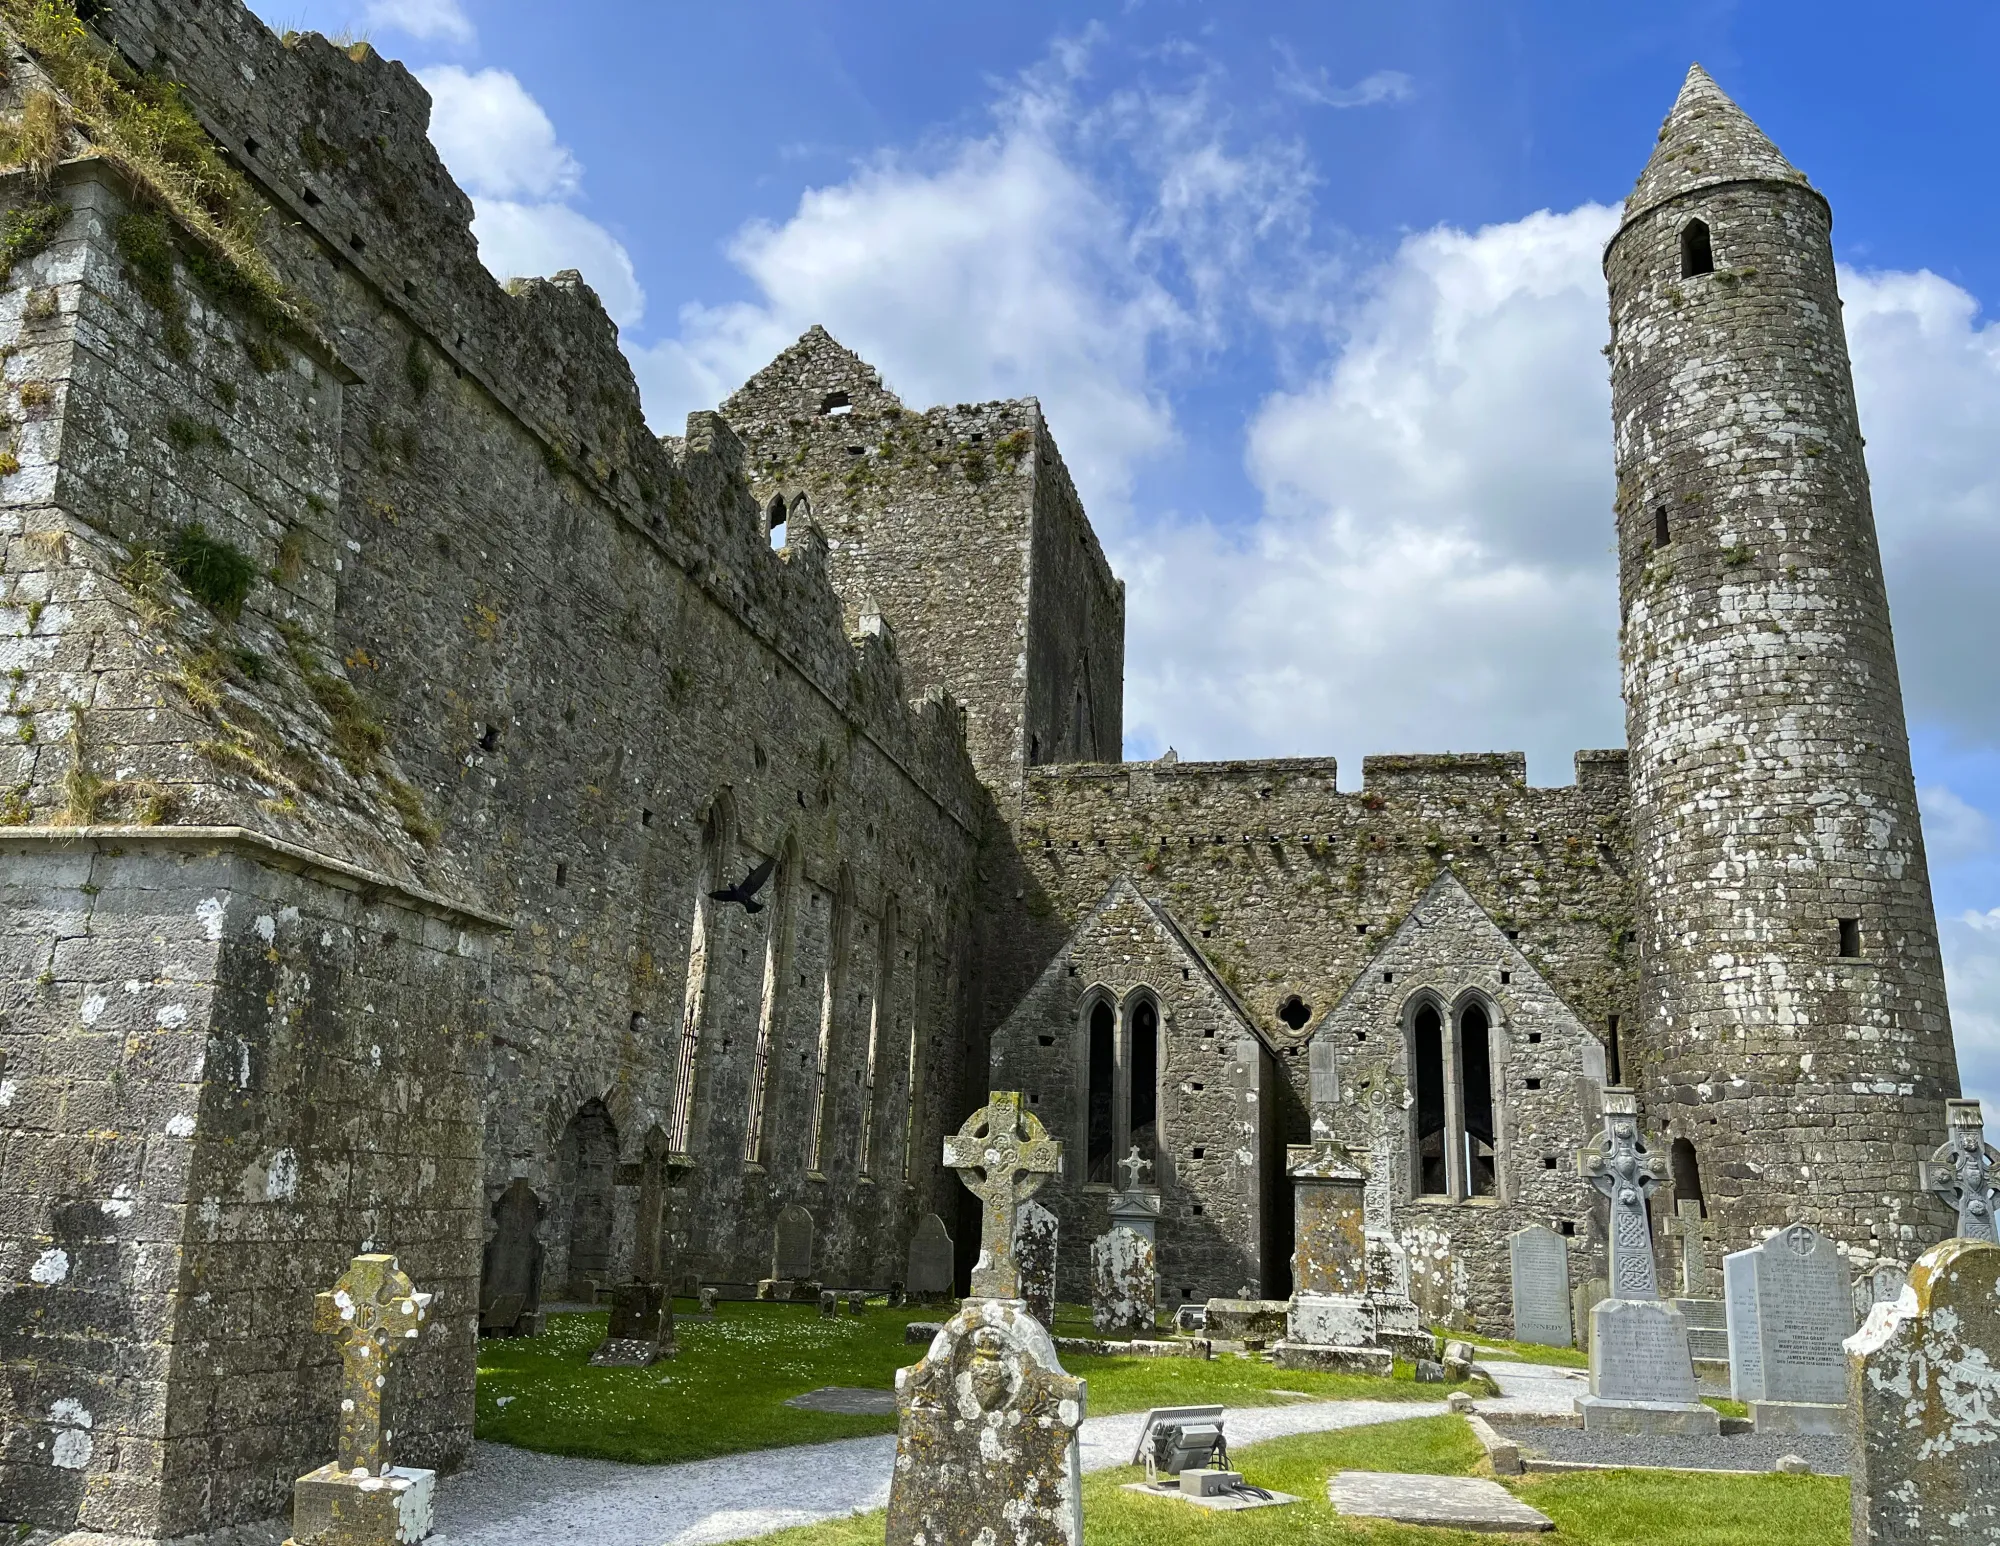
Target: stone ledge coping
x=267 y=849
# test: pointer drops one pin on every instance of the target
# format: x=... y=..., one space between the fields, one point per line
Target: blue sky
x=1310 y=293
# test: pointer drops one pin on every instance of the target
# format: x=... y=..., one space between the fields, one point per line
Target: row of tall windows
x=900 y=970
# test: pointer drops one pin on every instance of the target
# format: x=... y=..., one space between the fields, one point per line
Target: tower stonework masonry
x=1791 y=1019
x=442 y=817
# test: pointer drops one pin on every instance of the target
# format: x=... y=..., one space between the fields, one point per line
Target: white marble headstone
x=1739 y=1299
x=1805 y=1310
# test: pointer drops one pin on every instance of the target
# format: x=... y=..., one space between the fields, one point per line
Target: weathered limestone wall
x=1546 y=1077
x=1211 y=1161
x=1287 y=888
x=506 y=659
x=1771 y=783
x=226 y=1068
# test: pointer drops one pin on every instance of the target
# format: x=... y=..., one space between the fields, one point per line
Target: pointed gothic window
x=1145 y=1096
x=1103 y=1073
x=1697 y=255
x=1482 y=1141
x=1427 y=1062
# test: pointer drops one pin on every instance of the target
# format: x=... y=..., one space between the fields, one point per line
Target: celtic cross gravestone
x=361 y=1499
x=1003 y=1155
x=1962 y=1173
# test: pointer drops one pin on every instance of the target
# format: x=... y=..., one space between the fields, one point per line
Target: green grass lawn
x=1602 y=1508
x=726 y=1391
x=1527 y=1352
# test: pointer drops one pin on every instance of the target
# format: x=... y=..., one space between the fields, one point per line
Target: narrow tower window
x=1697 y=255
x=1850 y=936
x=1660 y=535
x=1103 y=1071
x=1428 y=1058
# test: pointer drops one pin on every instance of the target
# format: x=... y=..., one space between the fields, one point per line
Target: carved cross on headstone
x=1135 y=1169
x=1619 y=1164
x=1964 y=1172
x=1003 y=1155
x=372 y=1308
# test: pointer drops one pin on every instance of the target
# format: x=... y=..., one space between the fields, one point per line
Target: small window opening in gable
x=638 y=1021
x=1360 y=1035
x=313 y=200
x=1208 y=1033
x=1198 y=1151
x=252 y=146
x=1534 y=1037
x=1388 y=976
x=1506 y=978
x=1850 y=937
x=1697 y=251
x=1197 y=1210
x=1534 y=1084
x=562 y=873
x=1046 y=1041
x=1548 y=1162
x=357 y=243
x=834 y=404
x=1184 y=974
x=1513 y=933
x=1569 y=1226
x=1295 y=1011
x=1660 y=534
x=645 y=817
x=489 y=738
x=1361 y=928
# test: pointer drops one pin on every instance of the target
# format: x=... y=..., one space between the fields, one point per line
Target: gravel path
x=1533 y=1389
x=511 y=1496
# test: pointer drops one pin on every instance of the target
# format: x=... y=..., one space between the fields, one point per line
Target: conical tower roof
x=1706 y=139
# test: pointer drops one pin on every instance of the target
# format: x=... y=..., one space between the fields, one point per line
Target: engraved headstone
x=1035 y=1239
x=986 y=1436
x=792 y=1245
x=510 y=1277
x=1804 y=1311
x=931 y=1265
x=1540 y=1263
x=1926 y=1423
x=1964 y=1173
x=1584 y=1298
x=1124 y=1283
x=360 y=1498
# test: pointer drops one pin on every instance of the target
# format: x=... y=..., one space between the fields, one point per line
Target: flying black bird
x=746 y=889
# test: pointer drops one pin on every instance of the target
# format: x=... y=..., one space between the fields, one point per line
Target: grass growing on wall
x=725 y=1393
x=143 y=125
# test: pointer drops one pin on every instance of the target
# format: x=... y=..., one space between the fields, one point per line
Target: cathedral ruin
x=387 y=703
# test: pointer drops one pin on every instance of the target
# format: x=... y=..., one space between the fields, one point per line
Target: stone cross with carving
x=1620 y=1164
x=1003 y=1155
x=1964 y=1172
x=372 y=1308
x=1135 y=1169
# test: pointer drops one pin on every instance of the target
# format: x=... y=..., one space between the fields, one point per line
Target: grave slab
x=847 y=1400
x=1811 y=1417
x=1217 y=1502
x=1454 y=1502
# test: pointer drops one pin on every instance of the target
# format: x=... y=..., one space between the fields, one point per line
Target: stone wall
x=1771 y=783
x=1209 y=1158
x=504 y=656
x=228 y=1068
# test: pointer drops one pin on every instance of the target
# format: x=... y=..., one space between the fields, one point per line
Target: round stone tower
x=1792 y=1035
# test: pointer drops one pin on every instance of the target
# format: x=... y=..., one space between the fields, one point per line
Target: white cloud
x=1953 y=829
x=421 y=18
x=1972 y=982
x=1927 y=376
x=502 y=149
x=1065 y=254
x=1431 y=570
x=1316 y=86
